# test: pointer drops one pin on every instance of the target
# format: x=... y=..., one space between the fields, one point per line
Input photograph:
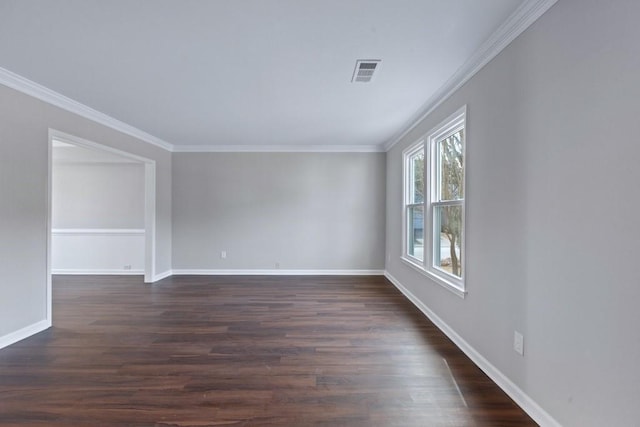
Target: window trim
x=408 y=189
x=428 y=143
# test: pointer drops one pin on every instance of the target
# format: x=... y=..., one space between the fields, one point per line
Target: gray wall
x=301 y=210
x=24 y=124
x=552 y=220
x=552 y=214
x=98 y=195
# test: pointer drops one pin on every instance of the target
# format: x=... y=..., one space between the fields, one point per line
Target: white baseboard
x=208 y=272
x=90 y=272
x=278 y=272
x=532 y=408
x=162 y=275
x=23 y=333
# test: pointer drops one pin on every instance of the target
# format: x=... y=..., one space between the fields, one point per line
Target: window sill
x=439 y=280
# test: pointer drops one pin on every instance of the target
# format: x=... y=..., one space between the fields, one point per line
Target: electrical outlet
x=223 y=255
x=277 y=265
x=127 y=267
x=518 y=343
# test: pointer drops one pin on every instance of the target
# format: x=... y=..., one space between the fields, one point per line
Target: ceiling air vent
x=365 y=69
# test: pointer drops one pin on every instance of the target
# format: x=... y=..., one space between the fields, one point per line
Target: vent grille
x=365 y=69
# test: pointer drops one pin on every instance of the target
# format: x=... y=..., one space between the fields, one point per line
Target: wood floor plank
x=243 y=351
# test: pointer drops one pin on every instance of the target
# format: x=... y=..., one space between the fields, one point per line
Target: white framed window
x=414 y=192
x=434 y=203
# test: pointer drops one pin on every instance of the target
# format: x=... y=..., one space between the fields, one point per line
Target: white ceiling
x=249 y=72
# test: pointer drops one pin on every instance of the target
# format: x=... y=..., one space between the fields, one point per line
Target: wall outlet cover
x=518 y=343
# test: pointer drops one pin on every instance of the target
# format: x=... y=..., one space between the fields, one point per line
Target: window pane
x=450 y=167
x=416 y=165
x=415 y=224
x=448 y=226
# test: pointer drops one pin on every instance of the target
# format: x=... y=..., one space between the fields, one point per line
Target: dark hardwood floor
x=243 y=351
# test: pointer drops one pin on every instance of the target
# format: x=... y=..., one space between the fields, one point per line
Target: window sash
x=410 y=232
x=434 y=220
x=432 y=205
x=435 y=161
x=439 y=160
x=447 y=203
x=409 y=175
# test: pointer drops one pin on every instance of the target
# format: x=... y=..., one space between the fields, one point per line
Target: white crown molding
x=278 y=149
x=21 y=84
x=523 y=400
x=516 y=24
x=519 y=21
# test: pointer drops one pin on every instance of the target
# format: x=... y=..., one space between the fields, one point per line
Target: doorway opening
x=101 y=210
